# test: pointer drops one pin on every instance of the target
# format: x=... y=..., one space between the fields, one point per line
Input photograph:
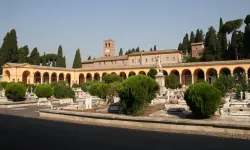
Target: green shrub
x=113 y=89
x=62 y=91
x=43 y=91
x=4 y=84
x=224 y=84
x=179 y=85
x=92 y=89
x=110 y=78
x=152 y=72
x=15 y=91
x=171 y=81
x=136 y=93
x=203 y=99
x=102 y=90
x=85 y=86
x=75 y=85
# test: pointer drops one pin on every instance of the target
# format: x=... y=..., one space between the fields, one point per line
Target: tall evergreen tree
x=59 y=58
x=89 y=58
x=151 y=49
x=121 y=52
x=21 y=55
x=12 y=46
x=34 y=57
x=133 y=50
x=180 y=46
x=137 y=49
x=192 y=40
x=185 y=43
x=4 y=55
x=246 y=39
x=77 y=60
x=64 y=62
x=211 y=45
x=199 y=36
x=222 y=36
x=44 y=63
x=155 y=48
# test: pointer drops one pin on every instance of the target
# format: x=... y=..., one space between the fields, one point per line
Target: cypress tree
x=59 y=58
x=151 y=49
x=77 y=60
x=133 y=50
x=23 y=53
x=199 y=36
x=64 y=62
x=192 y=40
x=4 y=55
x=180 y=46
x=246 y=39
x=12 y=46
x=121 y=52
x=137 y=49
x=34 y=57
x=155 y=48
x=185 y=43
x=44 y=60
x=89 y=58
x=222 y=36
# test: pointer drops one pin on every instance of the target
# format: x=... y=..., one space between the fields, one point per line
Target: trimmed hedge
x=136 y=93
x=15 y=91
x=203 y=99
x=3 y=84
x=75 y=85
x=43 y=91
x=62 y=91
x=224 y=84
x=110 y=78
x=85 y=86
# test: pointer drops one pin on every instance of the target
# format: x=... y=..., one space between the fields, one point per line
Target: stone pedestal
x=3 y=99
x=160 y=79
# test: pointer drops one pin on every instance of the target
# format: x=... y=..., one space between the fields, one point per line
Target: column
x=192 y=79
x=205 y=77
x=180 y=79
x=49 y=79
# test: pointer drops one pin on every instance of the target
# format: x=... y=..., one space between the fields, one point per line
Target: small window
x=133 y=61
x=152 y=59
x=104 y=62
x=167 y=59
x=146 y=60
x=173 y=58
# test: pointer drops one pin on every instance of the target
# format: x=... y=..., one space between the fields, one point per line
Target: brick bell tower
x=109 y=48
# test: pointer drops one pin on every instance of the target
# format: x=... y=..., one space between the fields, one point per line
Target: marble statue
x=158 y=64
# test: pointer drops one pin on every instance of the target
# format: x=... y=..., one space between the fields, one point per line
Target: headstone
x=3 y=93
x=241 y=95
x=88 y=102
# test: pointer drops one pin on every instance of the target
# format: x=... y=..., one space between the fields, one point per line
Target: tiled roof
x=124 y=57
x=168 y=51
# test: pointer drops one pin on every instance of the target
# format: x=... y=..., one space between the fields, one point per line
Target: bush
x=152 y=72
x=136 y=93
x=75 y=85
x=62 y=91
x=110 y=78
x=15 y=91
x=224 y=84
x=203 y=99
x=113 y=89
x=43 y=91
x=54 y=84
x=3 y=84
x=85 y=86
x=171 y=81
x=102 y=90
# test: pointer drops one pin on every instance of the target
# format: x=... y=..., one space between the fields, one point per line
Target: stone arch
x=142 y=72
x=81 y=78
x=239 y=74
x=177 y=74
x=225 y=71
x=123 y=75
x=186 y=77
x=131 y=73
x=53 y=77
x=113 y=73
x=68 y=79
x=26 y=77
x=211 y=75
x=61 y=77
x=97 y=76
x=37 y=77
x=165 y=73
x=199 y=75
x=88 y=77
x=45 y=77
x=248 y=75
x=7 y=75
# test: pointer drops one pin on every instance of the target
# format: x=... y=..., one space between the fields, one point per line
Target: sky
x=84 y=24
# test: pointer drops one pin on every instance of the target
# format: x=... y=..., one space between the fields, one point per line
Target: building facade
x=126 y=66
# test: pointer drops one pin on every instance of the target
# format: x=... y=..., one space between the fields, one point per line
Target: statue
x=158 y=64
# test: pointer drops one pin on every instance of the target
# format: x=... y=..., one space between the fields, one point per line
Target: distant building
x=197 y=49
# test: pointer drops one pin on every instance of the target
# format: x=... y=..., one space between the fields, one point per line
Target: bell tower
x=109 y=48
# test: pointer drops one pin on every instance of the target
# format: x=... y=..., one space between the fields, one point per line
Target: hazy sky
x=84 y=24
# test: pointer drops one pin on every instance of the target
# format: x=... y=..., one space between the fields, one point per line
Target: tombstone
x=3 y=93
x=116 y=99
x=221 y=112
x=241 y=95
x=88 y=102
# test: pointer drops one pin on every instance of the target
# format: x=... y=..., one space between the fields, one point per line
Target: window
x=138 y=60
x=173 y=58
x=152 y=59
x=133 y=61
x=146 y=60
x=167 y=59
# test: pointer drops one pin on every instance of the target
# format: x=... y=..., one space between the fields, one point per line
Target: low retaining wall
x=148 y=122
x=11 y=104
